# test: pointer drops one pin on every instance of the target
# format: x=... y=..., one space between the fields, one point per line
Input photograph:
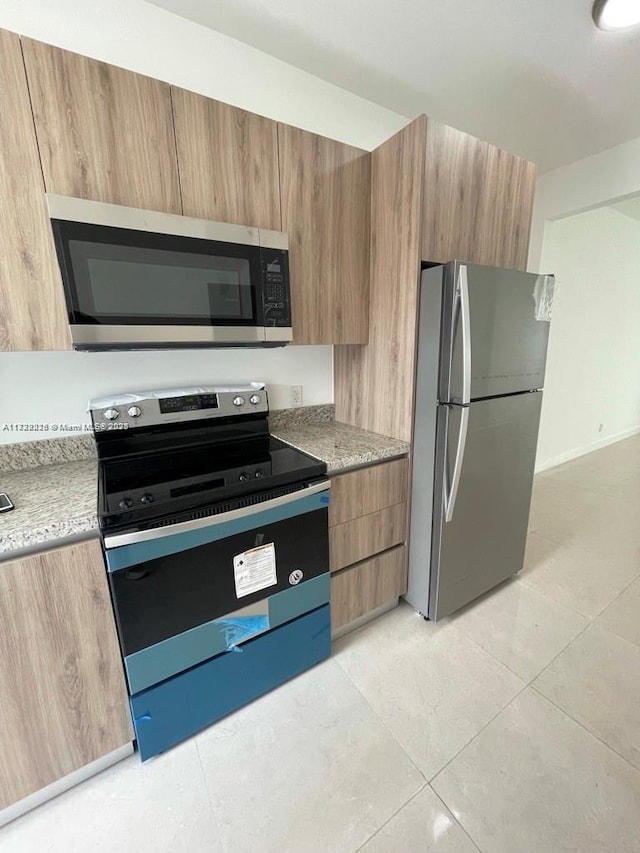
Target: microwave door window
x=120 y=284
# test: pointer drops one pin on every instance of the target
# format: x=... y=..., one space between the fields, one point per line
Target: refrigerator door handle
x=465 y=318
x=457 y=468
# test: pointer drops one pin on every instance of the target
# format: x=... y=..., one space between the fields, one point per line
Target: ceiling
x=536 y=78
x=630 y=207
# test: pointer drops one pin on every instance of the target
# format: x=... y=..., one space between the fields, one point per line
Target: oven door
x=130 y=285
x=187 y=592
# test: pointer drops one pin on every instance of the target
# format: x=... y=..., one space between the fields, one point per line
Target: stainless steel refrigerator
x=482 y=348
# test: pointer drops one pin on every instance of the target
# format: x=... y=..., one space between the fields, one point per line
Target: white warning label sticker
x=255 y=569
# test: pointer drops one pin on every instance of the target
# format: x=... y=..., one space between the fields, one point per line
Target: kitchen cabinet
x=454 y=175
x=506 y=210
x=325 y=196
x=356 y=539
x=227 y=162
x=374 y=384
x=366 y=586
x=437 y=194
x=368 y=490
x=104 y=133
x=32 y=311
x=64 y=702
x=367 y=519
x=478 y=201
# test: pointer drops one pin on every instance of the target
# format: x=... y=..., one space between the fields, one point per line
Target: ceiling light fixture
x=616 y=14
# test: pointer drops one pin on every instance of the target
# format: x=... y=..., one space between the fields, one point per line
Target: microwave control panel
x=277 y=299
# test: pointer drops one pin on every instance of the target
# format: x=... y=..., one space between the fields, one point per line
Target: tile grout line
x=382 y=723
x=584 y=728
x=380 y=828
x=458 y=822
x=526 y=685
x=469 y=742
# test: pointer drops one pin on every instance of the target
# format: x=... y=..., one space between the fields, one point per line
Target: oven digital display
x=192 y=403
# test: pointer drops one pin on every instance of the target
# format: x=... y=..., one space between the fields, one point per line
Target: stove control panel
x=167 y=406
x=212 y=483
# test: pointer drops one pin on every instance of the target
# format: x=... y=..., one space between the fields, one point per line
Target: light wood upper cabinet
x=64 y=700
x=478 y=201
x=32 y=311
x=453 y=182
x=104 y=133
x=227 y=161
x=506 y=210
x=325 y=195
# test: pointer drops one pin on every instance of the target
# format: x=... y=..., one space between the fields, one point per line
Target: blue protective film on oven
x=159 y=662
x=179 y=707
x=241 y=628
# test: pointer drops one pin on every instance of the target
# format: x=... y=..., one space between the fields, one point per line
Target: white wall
x=593 y=366
x=587 y=184
x=54 y=387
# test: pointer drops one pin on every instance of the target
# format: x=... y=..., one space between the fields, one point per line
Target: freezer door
x=483 y=486
x=495 y=332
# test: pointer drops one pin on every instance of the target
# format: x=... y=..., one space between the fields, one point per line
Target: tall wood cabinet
x=227 y=161
x=104 y=133
x=478 y=200
x=437 y=194
x=32 y=312
x=325 y=190
x=63 y=697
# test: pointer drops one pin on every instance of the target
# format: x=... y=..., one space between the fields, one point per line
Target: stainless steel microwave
x=141 y=279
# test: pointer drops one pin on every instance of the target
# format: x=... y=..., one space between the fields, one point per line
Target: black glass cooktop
x=139 y=488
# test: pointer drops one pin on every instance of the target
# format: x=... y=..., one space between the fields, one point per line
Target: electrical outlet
x=296 y=395
x=601 y=427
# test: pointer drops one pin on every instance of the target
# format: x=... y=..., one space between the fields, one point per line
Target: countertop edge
x=47 y=545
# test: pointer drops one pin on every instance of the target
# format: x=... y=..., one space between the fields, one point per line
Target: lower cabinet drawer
x=370 y=584
x=168 y=713
x=362 y=537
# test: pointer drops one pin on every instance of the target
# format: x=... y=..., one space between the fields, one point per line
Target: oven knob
x=244 y=477
x=146 y=499
x=255 y=399
x=111 y=414
x=134 y=411
x=259 y=475
x=125 y=503
x=238 y=401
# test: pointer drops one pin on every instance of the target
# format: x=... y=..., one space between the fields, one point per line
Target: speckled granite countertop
x=339 y=445
x=55 y=499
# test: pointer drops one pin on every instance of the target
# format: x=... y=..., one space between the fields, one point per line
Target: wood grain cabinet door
x=506 y=210
x=325 y=195
x=63 y=701
x=32 y=309
x=370 y=584
x=455 y=172
x=227 y=162
x=104 y=133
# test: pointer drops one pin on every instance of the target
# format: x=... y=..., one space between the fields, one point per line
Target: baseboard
x=60 y=785
x=582 y=451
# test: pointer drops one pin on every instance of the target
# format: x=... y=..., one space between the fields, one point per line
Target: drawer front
x=178 y=708
x=368 y=490
x=362 y=537
x=361 y=588
x=158 y=662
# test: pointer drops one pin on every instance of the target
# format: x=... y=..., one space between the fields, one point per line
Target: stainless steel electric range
x=215 y=538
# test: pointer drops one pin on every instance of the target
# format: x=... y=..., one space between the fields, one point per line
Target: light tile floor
x=512 y=727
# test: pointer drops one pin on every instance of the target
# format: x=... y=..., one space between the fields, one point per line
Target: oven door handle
x=119 y=539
